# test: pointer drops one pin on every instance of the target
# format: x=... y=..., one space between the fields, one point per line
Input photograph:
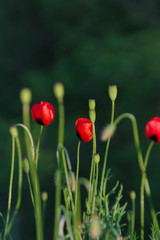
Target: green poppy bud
x=44 y=196
x=14 y=131
x=132 y=194
x=58 y=90
x=25 y=165
x=112 y=89
x=92 y=104
x=25 y=96
x=96 y=158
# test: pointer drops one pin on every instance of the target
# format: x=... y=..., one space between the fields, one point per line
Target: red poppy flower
x=152 y=129
x=84 y=129
x=43 y=113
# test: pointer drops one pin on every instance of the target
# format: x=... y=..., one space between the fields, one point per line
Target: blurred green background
x=87 y=45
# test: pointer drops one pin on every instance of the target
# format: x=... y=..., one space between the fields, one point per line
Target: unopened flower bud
x=92 y=104
x=92 y=115
x=14 y=131
x=107 y=132
x=44 y=196
x=96 y=158
x=58 y=90
x=95 y=228
x=25 y=165
x=25 y=96
x=112 y=89
x=132 y=194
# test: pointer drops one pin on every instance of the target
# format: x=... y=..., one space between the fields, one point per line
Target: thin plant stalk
x=20 y=175
x=133 y=218
x=142 y=189
x=57 y=201
x=30 y=188
x=38 y=145
x=61 y=122
x=36 y=187
x=142 y=205
x=106 y=151
x=59 y=180
x=77 y=174
x=10 y=187
x=93 y=152
x=95 y=190
x=67 y=180
x=142 y=165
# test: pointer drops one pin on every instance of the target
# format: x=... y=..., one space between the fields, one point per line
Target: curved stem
x=106 y=151
x=142 y=164
x=31 y=153
x=19 y=184
x=135 y=135
x=148 y=153
x=36 y=187
x=10 y=187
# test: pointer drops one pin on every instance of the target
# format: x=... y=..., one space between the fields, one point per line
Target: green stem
x=77 y=173
x=37 y=200
x=142 y=189
x=38 y=144
x=30 y=188
x=135 y=135
x=61 y=122
x=57 y=203
x=142 y=205
x=142 y=164
x=67 y=180
x=59 y=180
x=133 y=218
x=36 y=187
x=30 y=147
x=95 y=191
x=10 y=187
x=93 y=152
x=106 y=151
x=153 y=214
x=19 y=184
x=148 y=154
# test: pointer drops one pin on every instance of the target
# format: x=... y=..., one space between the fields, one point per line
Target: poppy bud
x=96 y=157
x=14 y=131
x=58 y=90
x=112 y=92
x=84 y=129
x=152 y=129
x=132 y=194
x=92 y=104
x=44 y=196
x=25 y=165
x=25 y=96
x=43 y=113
